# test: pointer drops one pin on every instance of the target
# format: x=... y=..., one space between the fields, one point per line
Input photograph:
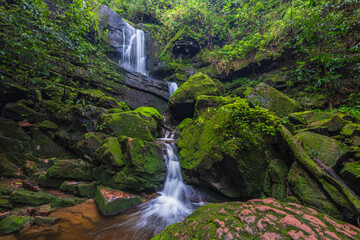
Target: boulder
x=145 y=168
x=350 y=173
x=89 y=143
x=76 y=169
x=268 y=97
x=205 y=103
x=48 y=125
x=274 y=182
x=350 y=133
x=110 y=154
x=225 y=149
x=20 y=111
x=326 y=149
x=48 y=182
x=82 y=189
x=141 y=123
x=111 y=201
x=186 y=47
x=259 y=219
x=305 y=187
x=25 y=197
x=182 y=102
x=109 y=102
x=12 y=223
x=30 y=185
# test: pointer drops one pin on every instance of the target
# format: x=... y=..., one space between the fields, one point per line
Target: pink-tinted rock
x=263 y=219
x=30 y=185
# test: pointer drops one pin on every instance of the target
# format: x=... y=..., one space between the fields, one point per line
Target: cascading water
x=175 y=202
x=172 y=87
x=133 y=57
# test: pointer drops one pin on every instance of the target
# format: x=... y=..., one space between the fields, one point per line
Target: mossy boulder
x=350 y=133
x=20 y=111
x=182 y=102
x=110 y=154
x=109 y=102
x=305 y=187
x=48 y=182
x=141 y=123
x=268 y=97
x=145 y=167
x=111 y=201
x=314 y=101
x=274 y=182
x=350 y=173
x=76 y=169
x=82 y=189
x=334 y=123
x=7 y=168
x=5 y=204
x=47 y=125
x=11 y=129
x=91 y=95
x=258 y=219
x=205 y=103
x=12 y=223
x=225 y=150
x=25 y=197
x=89 y=143
x=328 y=150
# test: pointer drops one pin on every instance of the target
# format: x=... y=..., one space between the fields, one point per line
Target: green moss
x=274 y=182
x=109 y=102
x=47 y=125
x=45 y=181
x=110 y=153
x=205 y=103
x=11 y=224
x=71 y=169
x=351 y=175
x=92 y=95
x=89 y=143
x=11 y=129
x=25 y=197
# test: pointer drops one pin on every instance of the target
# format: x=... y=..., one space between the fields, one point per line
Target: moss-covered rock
x=334 y=124
x=48 y=182
x=7 y=168
x=274 y=182
x=328 y=150
x=11 y=129
x=48 y=125
x=76 y=169
x=5 y=204
x=25 y=197
x=145 y=167
x=314 y=101
x=12 y=223
x=110 y=154
x=141 y=123
x=19 y=111
x=182 y=102
x=258 y=219
x=89 y=143
x=350 y=133
x=304 y=187
x=351 y=175
x=265 y=96
x=205 y=103
x=92 y=95
x=111 y=201
x=225 y=150
x=109 y=102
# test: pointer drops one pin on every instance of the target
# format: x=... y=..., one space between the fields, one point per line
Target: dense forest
x=266 y=119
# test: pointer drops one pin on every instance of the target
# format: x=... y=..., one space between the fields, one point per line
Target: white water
x=133 y=57
x=174 y=203
x=172 y=87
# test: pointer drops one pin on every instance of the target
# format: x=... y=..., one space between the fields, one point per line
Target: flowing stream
x=134 y=57
x=172 y=87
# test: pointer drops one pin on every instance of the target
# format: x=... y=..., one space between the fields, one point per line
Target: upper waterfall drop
x=133 y=57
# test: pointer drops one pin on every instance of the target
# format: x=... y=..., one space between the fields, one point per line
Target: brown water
x=82 y=222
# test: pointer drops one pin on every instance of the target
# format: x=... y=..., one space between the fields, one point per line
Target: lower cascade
x=172 y=87
x=174 y=203
x=134 y=57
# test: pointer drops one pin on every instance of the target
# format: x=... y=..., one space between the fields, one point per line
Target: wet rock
x=110 y=201
x=267 y=97
x=76 y=169
x=182 y=102
x=141 y=123
x=350 y=174
x=30 y=185
x=43 y=210
x=259 y=219
x=45 y=221
x=328 y=150
x=12 y=223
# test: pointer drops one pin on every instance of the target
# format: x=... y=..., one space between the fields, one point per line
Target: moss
x=141 y=123
x=25 y=197
x=45 y=181
x=89 y=143
x=92 y=95
x=109 y=102
x=11 y=129
x=47 y=125
x=351 y=175
x=11 y=224
x=71 y=169
x=301 y=117
x=274 y=183
x=65 y=201
x=205 y=103
x=110 y=153
x=270 y=98
x=326 y=149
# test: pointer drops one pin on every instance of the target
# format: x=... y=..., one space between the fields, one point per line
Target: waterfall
x=172 y=87
x=174 y=203
x=133 y=57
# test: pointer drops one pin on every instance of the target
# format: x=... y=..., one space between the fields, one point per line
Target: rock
x=25 y=197
x=301 y=117
x=350 y=174
x=45 y=181
x=187 y=48
x=314 y=101
x=89 y=143
x=110 y=201
x=205 y=103
x=45 y=221
x=333 y=125
x=109 y=102
x=30 y=185
x=12 y=223
x=274 y=182
x=11 y=92
x=141 y=123
x=19 y=111
x=182 y=102
x=82 y=189
x=76 y=169
x=91 y=95
x=7 y=168
x=47 y=125
x=110 y=154
x=11 y=129
x=304 y=187
x=226 y=157
x=350 y=133
x=43 y=210
x=65 y=201
x=267 y=97
x=145 y=168
x=259 y=219
x=5 y=204
x=328 y=150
